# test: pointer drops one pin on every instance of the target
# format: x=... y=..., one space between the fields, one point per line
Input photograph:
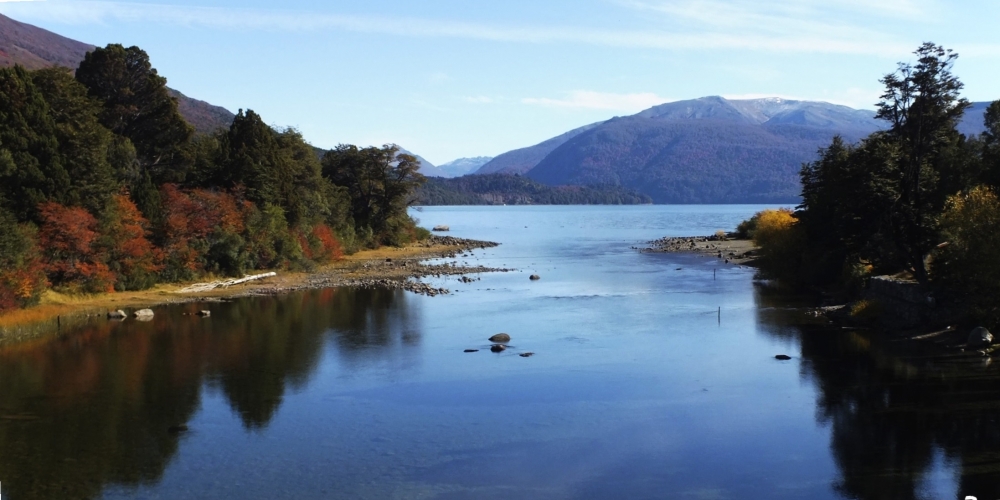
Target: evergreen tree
x=380 y=182
x=922 y=105
x=31 y=167
x=136 y=103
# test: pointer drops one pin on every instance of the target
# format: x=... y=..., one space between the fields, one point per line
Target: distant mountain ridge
x=36 y=48
x=463 y=166
x=522 y=160
x=706 y=150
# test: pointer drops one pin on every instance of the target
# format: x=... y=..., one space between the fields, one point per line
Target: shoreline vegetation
x=391 y=267
x=901 y=227
x=104 y=187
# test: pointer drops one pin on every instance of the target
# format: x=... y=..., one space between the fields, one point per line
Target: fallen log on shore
x=205 y=287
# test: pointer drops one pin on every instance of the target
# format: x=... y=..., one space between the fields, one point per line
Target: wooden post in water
x=720 y=315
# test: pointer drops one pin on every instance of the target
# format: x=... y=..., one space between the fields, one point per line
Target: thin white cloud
x=707 y=25
x=478 y=99
x=588 y=99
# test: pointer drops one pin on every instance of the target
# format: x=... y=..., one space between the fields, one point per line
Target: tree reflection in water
x=93 y=407
x=892 y=409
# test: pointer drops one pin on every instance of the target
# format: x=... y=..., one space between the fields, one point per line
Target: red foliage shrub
x=131 y=255
x=330 y=248
x=67 y=236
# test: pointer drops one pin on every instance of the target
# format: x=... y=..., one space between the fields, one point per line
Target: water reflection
x=102 y=405
x=894 y=411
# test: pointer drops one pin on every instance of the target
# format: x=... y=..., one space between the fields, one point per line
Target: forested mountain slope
x=709 y=150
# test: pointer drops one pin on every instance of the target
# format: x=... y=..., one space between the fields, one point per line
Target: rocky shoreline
x=400 y=273
x=395 y=268
x=729 y=248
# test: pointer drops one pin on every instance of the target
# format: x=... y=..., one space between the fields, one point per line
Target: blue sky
x=451 y=78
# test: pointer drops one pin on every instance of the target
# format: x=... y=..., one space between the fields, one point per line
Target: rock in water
x=498 y=348
x=980 y=337
x=526 y=354
x=500 y=338
x=143 y=313
x=119 y=314
x=204 y=314
x=472 y=350
x=441 y=228
x=534 y=277
x=782 y=357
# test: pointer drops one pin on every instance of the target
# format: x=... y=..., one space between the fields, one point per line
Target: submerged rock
x=500 y=337
x=526 y=354
x=498 y=348
x=980 y=337
x=534 y=277
x=783 y=357
x=472 y=350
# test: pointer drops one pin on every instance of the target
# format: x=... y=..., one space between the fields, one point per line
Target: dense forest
x=104 y=186
x=505 y=189
x=917 y=199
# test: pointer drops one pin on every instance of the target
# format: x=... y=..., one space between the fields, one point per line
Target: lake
x=653 y=376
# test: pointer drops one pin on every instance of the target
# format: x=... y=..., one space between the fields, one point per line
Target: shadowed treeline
x=894 y=412
x=95 y=407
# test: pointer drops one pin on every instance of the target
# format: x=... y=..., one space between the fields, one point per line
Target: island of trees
x=104 y=186
x=917 y=200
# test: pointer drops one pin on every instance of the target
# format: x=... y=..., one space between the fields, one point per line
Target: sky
x=460 y=78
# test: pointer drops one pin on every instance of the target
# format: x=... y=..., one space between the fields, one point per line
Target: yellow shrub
x=968 y=267
x=780 y=242
x=773 y=226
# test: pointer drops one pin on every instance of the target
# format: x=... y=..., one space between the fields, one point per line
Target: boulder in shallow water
x=980 y=337
x=498 y=348
x=143 y=313
x=441 y=228
x=204 y=313
x=526 y=354
x=119 y=314
x=500 y=337
x=534 y=277
x=783 y=357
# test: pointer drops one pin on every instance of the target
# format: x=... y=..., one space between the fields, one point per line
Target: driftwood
x=204 y=287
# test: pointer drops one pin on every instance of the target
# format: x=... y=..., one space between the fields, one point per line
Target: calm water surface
x=638 y=388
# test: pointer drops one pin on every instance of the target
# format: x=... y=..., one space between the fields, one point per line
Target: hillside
x=34 y=48
x=522 y=160
x=708 y=150
x=506 y=189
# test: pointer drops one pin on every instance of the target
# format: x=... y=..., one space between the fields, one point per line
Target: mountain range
x=706 y=150
x=463 y=166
